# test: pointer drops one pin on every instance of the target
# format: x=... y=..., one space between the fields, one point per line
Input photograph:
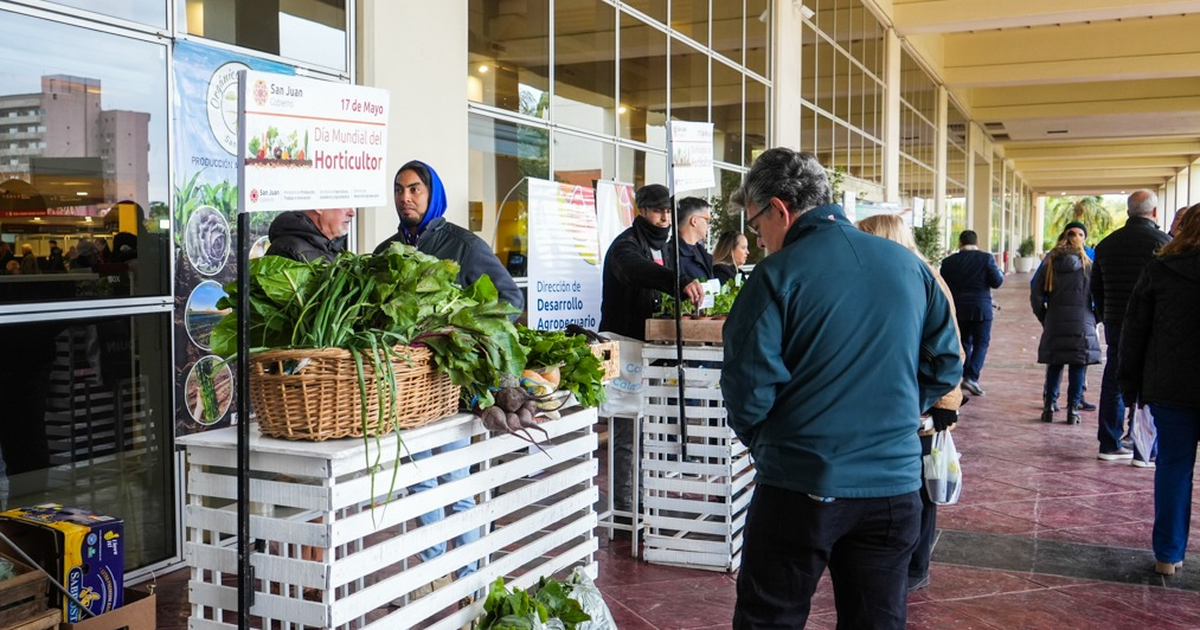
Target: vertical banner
x=691 y=146
x=564 y=257
x=614 y=212
x=205 y=202
x=310 y=144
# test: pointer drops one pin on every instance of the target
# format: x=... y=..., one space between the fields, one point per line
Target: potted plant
x=1025 y=261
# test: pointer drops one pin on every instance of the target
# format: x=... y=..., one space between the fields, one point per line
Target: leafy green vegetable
x=723 y=300
x=515 y=610
x=581 y=371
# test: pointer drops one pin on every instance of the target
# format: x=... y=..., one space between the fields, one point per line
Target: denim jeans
x=790 y=538
x=462 y=505
x=1075 y=375
x=1111 y=414
x=976 y=335
x=1178 y=432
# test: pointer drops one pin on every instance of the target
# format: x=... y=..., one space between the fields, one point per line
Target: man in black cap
x=1117 y=264
x=635 y=273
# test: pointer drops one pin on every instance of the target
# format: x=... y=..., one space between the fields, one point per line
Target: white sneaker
x=1141 y=464
x=1117 y=455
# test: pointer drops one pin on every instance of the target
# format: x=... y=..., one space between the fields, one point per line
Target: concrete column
x=891 y=119
x=785 y=95
x=939 y=164
x=418 y=52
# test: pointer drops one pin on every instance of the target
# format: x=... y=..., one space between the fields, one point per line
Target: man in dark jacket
x=693 y=216
x=420 y=202
x=1120 y=258
x=826 y=318
x=306 y=235
x=635 y=272
x=971 y=275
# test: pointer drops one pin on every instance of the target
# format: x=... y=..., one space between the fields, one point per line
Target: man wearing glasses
x=636 y=272
x=836 y=344
x=693 y=215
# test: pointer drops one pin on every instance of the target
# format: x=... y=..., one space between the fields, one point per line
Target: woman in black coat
x=1062 y=301
x=1160 y=365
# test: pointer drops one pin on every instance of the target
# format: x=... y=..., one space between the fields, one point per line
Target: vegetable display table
x=694 y=507
x=324 y=558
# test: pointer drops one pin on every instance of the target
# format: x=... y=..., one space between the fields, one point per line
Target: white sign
x=309 y=144
x=691 y=145
x=564 y=257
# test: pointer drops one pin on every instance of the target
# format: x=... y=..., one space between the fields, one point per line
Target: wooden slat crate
x=328 y=560
x=694 y=330
x=694 y=507
x=23 y=598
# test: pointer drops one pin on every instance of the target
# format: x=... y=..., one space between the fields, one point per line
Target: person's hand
x=943 y=418
x=694 y=291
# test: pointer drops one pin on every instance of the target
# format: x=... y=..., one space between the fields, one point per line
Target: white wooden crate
x=325 y=559
x=694 y=507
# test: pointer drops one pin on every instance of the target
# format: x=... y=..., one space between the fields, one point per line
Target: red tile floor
x=1045 y=536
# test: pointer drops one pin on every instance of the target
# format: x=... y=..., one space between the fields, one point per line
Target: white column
x=417 y=51
x=891 y=119
x=939 y=164
x=785 y=93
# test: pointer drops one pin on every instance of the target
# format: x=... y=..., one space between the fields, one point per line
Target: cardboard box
x=138 y=613
x=85 y=551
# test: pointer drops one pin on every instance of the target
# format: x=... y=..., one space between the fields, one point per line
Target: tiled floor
x=1045 y=536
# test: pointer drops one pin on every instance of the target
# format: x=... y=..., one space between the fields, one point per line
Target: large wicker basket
x=314 y=394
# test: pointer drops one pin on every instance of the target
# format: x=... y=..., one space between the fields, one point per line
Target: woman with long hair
x=1159 y=366
x=730 y=254
x=944 y=412
x=1061 y=299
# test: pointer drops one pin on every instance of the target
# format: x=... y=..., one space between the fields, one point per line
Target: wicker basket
x=314 y=394
x=609 y=354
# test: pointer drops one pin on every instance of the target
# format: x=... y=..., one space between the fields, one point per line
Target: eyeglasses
x=750 y=222
x=706 y=217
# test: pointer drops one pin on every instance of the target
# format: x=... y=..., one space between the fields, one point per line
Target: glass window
x=689 y=83
x=502 y=154
x=643 y=106
x=152 y=12
x=727 y=25
x=758 y=35
x=690 y=18
x=86 y=197
x=727 y=113
x=581 y=161
x=87 y=422
x=641 y=167
x=311 y=31
x=655 y=9
x=584 y=65
x=758 y=109
x=508 y=54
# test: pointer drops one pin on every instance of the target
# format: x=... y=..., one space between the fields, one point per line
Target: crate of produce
x=694 y=503
x=707 y=331
x=23 y=602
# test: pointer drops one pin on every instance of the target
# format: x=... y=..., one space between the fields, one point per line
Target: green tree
x=1091 y=211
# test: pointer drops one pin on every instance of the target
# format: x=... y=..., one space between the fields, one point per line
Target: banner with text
x=691 y=155
x=564 y=257
x=614 y=211
x=309 y=144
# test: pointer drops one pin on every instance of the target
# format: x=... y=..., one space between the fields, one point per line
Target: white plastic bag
x=624 y=393
x=1145 y=434
x=943 y=476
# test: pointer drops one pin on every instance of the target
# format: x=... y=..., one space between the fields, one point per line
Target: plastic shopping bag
x=943 y=476
x=623 y=395
x=1144 y=433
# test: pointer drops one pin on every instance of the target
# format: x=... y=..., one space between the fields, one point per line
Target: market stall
x=331 y=549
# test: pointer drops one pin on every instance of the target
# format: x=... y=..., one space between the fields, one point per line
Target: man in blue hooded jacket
x=836 y=344
x=420 y=202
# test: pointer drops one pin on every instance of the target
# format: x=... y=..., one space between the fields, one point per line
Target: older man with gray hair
x=830 y=314
x=1120 y=258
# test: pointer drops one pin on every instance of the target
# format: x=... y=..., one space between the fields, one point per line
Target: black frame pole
x=679 y=373
x=245 y=571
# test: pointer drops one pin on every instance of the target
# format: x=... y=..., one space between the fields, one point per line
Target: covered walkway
x=1045 y=536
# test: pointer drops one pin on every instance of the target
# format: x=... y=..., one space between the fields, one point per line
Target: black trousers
x=790 y=538
x=918 y=567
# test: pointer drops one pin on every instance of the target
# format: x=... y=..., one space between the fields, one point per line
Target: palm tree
x=1089 y=211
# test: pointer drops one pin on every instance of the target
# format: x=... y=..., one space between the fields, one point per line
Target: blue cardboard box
x=83 y=550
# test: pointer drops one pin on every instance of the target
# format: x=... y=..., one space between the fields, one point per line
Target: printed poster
x=310 y=144
x=691 y=147
x=205 y=225
x=564 y=257
x=614 y=212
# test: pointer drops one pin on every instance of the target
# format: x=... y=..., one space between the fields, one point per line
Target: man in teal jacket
x=836 y=344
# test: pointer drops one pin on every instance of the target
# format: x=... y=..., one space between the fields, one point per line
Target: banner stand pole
x=245 y=570
x=683 y=426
